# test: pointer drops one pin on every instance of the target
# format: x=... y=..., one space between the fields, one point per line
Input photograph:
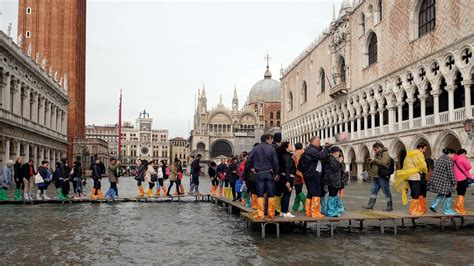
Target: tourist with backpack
x=414 y=170
x=381 y=167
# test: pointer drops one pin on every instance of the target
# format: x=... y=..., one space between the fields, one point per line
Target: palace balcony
x=339 y=90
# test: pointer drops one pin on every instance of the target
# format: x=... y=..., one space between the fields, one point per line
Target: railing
x=444 y=117
x=459 y=114
x=377 y=131
x=405 y=124
x=417 y=122
x=429 y=120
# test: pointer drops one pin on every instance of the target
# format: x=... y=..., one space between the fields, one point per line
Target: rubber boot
x=93 y=194
x=324 y=205
x=415 y=208
x=3 y=194
x=259 y=214
x=150 y=193
x=65 y=196
x=371 y=204
x=254 y=201
x=316 y=208
x=242 y=198
x=157 y=194
x=220 y=191
x=248 y=201
x=331 y=209
x=459 y=205
x=435 y=203
x=165 y=192
x=181 y=189
x=302 y=200
x=448 y=210
x=422 y=204
x=18 y=194
x=296 y=203
x=271 y=207
x=389 y=206
x=308 y=203
x=278 y=204
x=100 y=194
x=58 y=191
x=339 y=205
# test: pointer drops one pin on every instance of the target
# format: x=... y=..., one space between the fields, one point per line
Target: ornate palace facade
x=33 y=107
x=397 y=72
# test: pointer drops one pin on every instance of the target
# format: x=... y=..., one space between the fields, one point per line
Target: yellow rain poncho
x=413 y=165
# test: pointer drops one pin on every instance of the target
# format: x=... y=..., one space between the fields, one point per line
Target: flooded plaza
x=202 y=233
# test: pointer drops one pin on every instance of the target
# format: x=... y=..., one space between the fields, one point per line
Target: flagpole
x=120 y=128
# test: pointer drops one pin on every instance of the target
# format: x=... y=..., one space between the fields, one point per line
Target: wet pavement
x=202 y=233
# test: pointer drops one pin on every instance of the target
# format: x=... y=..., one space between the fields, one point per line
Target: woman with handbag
x=462 y=173
x=150 y=177
x=140 y=177
x=43 y=183
x=443 y=182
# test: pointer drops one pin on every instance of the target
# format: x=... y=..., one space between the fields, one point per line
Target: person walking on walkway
x=221 y=174
x=196 y=171
x=28 y=179
x=443 y=182
x=333 y=181
x=381 y=160
x=6 y=177
x=311 y=165
x=161 y=172
x=300 y=197
x=18 y=176
x=233 y=176
x=140 y=177
x=150 y=177
x=43 y=170
x=77 y=178
x=213 y=177
x=462 y=173
x=114 y=173
x=174 y=177
x=414 y=169
x=287 y=177
x=277 y=138
x=264 y=160
x=97 y=177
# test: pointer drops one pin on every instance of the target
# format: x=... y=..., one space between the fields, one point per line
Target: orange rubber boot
x=459 y=205
x=220 y=191
x=423 y=204
x=141 y=191
x=254 y=202
x=157 y=191
x=415 y=207
x=271 y=208
x=93 y=195
x=307 y=207
x=100 y=194
x=164 y=190
x=259 y=214
x=316 y=208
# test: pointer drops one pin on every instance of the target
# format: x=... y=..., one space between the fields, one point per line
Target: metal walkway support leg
x=318 y=229
x=229 y=209
x=382 y=229
x=263 y=230
x=332 y=228
x=394 y=227
x=278 y=229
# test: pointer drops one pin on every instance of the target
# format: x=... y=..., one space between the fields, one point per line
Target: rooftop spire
x=267 y=74
x=203 y=91
x=235 y=92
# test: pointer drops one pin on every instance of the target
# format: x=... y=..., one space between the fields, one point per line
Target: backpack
x=302 y=165
x=387 y=171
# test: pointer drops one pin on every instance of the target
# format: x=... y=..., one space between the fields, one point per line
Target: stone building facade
x=396 y=72
x=179 y=148
x=86 y=150
x=223 y=132
x=33 y=107
x=143 y=142
x=55 y=33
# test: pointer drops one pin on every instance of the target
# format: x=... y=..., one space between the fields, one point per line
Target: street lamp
x=469 y=128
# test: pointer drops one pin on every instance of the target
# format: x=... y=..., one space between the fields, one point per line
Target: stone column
x=53 y=118
x=366 y=123
x=27 y=152
x=372 y=117
x=34 y=111
x=41 y=155
x=400 y=115
x=17 y=98
x=18 y=150
x=450 y=90
x=47 y=114
x=352 y=126
x=360 y=169
x=410 y=102
x=380 y=110
x=391 y=117
x=41 y=110
x=26 y=104
x=6 y=156
x=436 y=92
x=331 y=131
x=358 y=126
x=422 y=98
x=467 y=98
x=53 y=157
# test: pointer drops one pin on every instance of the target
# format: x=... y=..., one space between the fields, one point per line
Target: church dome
x=266 y=90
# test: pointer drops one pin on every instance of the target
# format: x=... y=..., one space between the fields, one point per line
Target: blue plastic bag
x=238 y=185
x=111 y=194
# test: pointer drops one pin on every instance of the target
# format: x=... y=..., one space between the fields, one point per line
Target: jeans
x=113 y=185
x=97 y=184
x=195 y=183
x=171 y=185
x=285 y=200
x=77 y=185
x=313 y=185
x=380 y=183
x=265 y=184
x=159 y=183
x=415 y=188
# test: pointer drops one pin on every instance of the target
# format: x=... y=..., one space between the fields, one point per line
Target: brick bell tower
x=56 y=30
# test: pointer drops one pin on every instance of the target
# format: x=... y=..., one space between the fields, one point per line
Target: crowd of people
x=265 y=178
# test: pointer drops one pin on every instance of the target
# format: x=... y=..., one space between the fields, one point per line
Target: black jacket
x=96 y=171
x=263 y=158
x=333 y=172
x=313 y=155
x=212 y=172
x=232 y=172
x=288 y=169
x=17 y=168
x=196 y=167
x=26 y=170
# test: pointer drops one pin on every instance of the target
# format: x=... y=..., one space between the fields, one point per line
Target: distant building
x=108 y=133
x=33 y=107
x=179 y=148
x=143 y=142
x=86 y=150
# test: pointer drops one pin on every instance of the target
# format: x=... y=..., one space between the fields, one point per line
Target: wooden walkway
x=181 y=198
x=360 y=216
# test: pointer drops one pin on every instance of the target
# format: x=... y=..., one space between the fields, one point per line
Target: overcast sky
x=161 y=53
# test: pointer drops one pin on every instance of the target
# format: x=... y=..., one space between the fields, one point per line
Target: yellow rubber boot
x=278 y=204
x=141 y=191
x=259 y=214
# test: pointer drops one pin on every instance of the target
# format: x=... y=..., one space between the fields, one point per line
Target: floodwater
x=202 y=233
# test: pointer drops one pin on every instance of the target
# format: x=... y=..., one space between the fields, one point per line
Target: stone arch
x=304 y=92
x=221 y=114
x=221 y=147
x=350 y=159
x=398 y=151
x=421 y=138
x=370 y=48
x=447 y=139
x=201 y=146
x=363 y=155
x=414 y=18
x=322 y=81
x=464 y=56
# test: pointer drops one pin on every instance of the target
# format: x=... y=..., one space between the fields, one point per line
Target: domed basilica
x=222 y=132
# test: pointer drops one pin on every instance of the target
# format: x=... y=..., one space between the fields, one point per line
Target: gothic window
x=271 y=115
x=304 y=92
x=426 y=17
x=322 y=81
x=342 y=69
x=372 y=49
x=278 y=115
x=278 y=123
x=290 y=101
